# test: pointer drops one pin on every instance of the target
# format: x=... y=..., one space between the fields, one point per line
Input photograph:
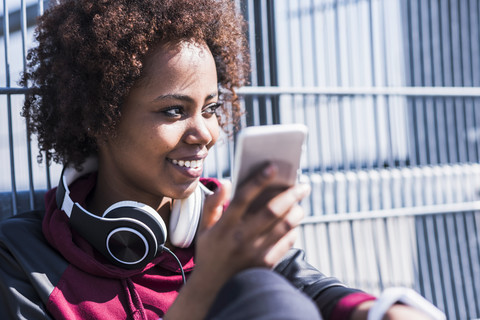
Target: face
x=167 y=126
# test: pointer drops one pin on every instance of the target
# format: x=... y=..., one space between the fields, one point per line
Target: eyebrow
x=182 y=97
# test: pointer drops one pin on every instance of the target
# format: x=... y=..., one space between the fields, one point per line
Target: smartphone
x=280 y=144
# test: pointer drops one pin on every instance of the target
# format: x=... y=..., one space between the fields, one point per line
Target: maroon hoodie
x=92 y=288
x=49 y=271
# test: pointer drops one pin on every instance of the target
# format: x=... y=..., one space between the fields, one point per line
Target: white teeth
x=187 y=163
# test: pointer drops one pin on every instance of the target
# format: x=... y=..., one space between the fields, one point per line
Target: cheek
x=214 y=129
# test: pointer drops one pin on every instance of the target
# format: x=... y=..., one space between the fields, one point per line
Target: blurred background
x=390 y=91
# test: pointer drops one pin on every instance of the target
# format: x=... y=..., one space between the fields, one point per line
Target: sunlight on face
x=167 y=126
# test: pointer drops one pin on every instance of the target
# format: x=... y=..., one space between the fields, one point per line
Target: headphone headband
x=68 y=176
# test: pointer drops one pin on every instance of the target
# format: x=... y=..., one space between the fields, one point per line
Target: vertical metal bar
x=263 y=55
x=290 y=18
x=429 y=74
x=272 y=44
x=253 y=109
x=474 y=254
x=340 y=82
x=421 y=106
x=333 y=101
x=329 y=245
x=314 y=27
x=376 y=249
x=386 y=99
x=412 y=119
x=389 y=138
x=465 y=35
x=466 y=265
x=327 y=62
x=40 y=7
x=424 y=273
x=332 y=119
x=31 y=189
x=6 y=38
x=474 y=11
x=436 y=240
x=299 y=14
x=374 y=83
x=467 y=72
x=448 y=278
x=40 y=10
x=475 y=53
x=447 y=80
x=437 y=79
x=455 y=267
x=359 y=102
x=304 y=71
x=354 y=161
x=457 y=78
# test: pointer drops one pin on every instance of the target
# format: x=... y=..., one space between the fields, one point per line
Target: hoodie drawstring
x=134 y=302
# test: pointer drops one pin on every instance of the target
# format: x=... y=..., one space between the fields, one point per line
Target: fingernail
x=303 y=189
x=269 y=170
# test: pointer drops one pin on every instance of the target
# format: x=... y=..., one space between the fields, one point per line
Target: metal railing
x=390 y=91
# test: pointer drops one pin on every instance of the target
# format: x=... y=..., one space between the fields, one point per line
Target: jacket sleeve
x=18 y=298
x=325 y=291
x=27 y=268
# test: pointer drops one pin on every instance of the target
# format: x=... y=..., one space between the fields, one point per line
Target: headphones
x=129 y=233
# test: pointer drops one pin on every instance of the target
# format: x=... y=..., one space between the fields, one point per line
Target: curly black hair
x=90 y=54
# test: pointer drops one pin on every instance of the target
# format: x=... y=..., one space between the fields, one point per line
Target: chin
x=184 y=191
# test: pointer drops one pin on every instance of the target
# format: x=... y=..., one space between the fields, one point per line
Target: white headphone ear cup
x=185 y=218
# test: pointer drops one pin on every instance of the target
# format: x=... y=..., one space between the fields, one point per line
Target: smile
x=188 y=163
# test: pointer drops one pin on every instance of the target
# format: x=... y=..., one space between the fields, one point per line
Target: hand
x=254 y=231
x=395 y=312
x=248 y=234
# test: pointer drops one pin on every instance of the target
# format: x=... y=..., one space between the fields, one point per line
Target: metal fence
x=390 y=91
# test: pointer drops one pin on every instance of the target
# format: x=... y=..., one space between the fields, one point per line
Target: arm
x=327 y=292
x=18 y=298
x=29 y=268
x=333 y=298
x=396 y=312
x=240 y=238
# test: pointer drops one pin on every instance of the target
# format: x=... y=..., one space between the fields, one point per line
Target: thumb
x=214 y=205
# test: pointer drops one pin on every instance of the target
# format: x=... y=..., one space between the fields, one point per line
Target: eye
x=173 y=112
x=211 y=109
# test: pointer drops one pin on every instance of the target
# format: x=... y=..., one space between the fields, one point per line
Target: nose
x=200 y=131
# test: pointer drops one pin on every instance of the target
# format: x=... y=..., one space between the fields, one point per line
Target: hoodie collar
x=77 y=251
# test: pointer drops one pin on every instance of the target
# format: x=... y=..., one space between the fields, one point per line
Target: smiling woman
x=91 y=54
x=129 y=96
x=167 y=124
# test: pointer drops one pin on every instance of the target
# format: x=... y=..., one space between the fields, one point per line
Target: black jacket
x=30 y=270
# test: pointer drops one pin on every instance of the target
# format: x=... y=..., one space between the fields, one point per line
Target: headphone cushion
x=185 y=217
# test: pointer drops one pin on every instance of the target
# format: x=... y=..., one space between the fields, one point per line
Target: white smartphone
x=279 y=144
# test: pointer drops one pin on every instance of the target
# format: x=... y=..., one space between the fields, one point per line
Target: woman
x=130 y=96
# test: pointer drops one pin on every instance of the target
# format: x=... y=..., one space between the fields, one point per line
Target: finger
x=214 y=205
x=280 y=248
x=283 y=226
x=276 y=210
x=249 y=190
